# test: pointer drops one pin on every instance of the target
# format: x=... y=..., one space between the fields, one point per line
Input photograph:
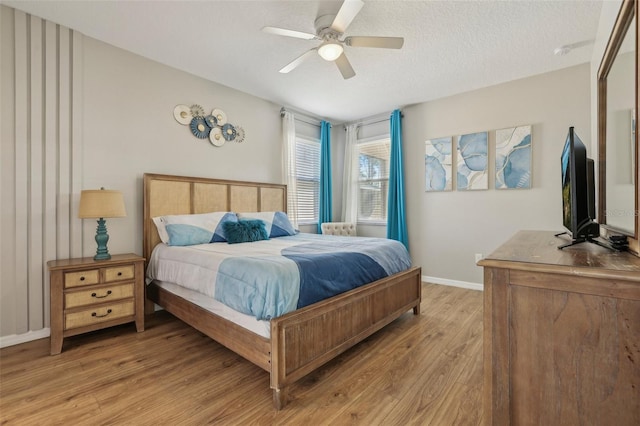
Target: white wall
x=447 y=229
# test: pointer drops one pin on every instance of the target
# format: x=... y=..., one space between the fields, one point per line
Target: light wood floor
x=424 y=370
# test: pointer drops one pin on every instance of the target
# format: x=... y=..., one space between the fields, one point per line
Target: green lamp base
x=101 y=238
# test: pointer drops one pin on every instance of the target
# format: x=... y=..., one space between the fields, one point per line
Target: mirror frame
x=628 y=10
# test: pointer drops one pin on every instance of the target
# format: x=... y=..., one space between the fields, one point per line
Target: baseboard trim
x=453 y=283
x=16 y=339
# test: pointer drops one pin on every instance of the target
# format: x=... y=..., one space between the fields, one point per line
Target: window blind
x=307 y=179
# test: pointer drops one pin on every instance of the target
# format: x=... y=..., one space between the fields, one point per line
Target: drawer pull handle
x=94 y=314
x=119 y=274
x=101 y=297
x=81 y=278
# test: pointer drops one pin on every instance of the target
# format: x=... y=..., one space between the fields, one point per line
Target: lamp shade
x=99 y=203
x=330 y=50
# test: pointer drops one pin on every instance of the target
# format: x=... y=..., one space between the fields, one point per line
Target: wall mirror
x=617 y=124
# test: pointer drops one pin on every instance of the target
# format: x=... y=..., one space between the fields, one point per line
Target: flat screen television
x=578 y=192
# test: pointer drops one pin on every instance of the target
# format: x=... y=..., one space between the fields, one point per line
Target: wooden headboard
x=169 y=195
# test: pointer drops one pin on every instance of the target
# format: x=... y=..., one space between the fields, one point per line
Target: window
x=307 y=179
x=373 y=180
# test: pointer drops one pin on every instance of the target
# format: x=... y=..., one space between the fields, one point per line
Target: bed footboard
x=249 y=345
x=303 y=340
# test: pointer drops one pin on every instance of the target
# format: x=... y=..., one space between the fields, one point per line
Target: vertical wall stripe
x=64 y=156
x=36 y=167
x=20 y=161
x=76 y=86
x=50 y=220
x=41 y=157
x=8 y=283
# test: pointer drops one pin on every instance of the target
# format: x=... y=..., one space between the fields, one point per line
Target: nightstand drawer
x=97 y=295
x=119 y=273
x=99 y=314
x=76 y=279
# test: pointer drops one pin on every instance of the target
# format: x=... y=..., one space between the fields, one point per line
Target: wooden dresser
x=561 y=334
x=88 y=295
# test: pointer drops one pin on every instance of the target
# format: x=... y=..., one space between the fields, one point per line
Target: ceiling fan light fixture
x=330 y=50
x=329 y=30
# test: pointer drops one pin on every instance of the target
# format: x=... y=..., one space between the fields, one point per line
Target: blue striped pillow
x=277 y=224
x=190 y=229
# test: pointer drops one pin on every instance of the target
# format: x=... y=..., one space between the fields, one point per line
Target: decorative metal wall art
x=212 y=126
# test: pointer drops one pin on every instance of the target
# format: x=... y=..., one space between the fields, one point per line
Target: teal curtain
x=396 y=220
x=325 y=207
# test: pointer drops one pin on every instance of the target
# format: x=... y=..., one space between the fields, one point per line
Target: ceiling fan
x=329 y=29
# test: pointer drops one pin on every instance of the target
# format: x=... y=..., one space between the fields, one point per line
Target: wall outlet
x=479 y=257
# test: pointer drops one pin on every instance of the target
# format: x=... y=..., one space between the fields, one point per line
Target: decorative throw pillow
x=277 y=224
x=245 y=231
x=190 y=229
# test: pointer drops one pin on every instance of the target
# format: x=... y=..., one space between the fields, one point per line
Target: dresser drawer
x=77 y=279
x=98 y=314
x=97 y=295
x=119 y=273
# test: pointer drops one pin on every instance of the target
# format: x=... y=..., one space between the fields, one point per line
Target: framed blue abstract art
x=513 y=158
x=438 y=164
x=472 y=162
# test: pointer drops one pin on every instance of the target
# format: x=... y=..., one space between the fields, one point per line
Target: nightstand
x=88 y=295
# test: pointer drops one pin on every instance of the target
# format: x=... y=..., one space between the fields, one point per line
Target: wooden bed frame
x=301 y=341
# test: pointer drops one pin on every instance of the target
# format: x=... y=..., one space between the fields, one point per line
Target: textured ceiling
x=450 y=46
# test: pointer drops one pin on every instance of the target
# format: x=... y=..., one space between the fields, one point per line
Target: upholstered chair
x=339 y=228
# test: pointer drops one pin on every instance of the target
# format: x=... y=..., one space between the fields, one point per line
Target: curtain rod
x=296 y=116
x=371 y=120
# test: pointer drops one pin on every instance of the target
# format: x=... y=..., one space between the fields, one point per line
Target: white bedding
x=190 y=272
x=196 y=267
x=247 y=269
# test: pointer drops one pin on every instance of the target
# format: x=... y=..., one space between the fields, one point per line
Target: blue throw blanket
x=318 y=268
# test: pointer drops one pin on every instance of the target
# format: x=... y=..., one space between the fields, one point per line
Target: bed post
x=279 y=398
x=416 y=309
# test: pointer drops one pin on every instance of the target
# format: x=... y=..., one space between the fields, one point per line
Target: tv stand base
x=582 y=240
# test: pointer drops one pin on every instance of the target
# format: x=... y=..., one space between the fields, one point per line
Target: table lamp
x=98 y=204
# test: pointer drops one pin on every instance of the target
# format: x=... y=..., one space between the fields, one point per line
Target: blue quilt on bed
x=318 y=268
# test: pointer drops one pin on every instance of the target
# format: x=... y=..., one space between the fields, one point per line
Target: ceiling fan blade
x=289 y=33
x=347 y=12
x=384 y=42
x=345 y=67
x=293 y=64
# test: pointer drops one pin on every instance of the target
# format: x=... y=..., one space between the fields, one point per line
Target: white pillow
x=162 y=232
